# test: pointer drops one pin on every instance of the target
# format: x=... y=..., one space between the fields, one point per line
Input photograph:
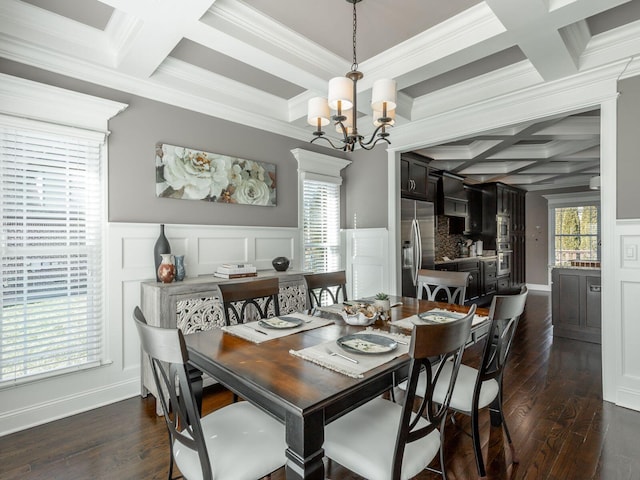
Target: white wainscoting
x=367 y=263
x=129 y=262
x=626 y=292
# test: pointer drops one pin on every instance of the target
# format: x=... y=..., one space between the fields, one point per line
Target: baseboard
x=34 y=415
x=539 y=287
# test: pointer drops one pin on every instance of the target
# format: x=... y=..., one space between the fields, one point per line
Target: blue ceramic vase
x=180 y=272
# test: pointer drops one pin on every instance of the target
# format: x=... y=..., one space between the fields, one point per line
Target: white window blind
x=321 y=226
x=51 y=245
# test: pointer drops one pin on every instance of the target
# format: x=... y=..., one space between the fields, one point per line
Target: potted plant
x=382 y=302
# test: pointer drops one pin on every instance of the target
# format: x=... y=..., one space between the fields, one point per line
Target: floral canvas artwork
x=195 y=175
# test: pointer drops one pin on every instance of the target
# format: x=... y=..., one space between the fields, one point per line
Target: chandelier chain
x=354 y=65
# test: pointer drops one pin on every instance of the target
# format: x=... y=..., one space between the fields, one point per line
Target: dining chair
x=479 y=388
x=249 y=300
x=326 y=288
x=235 y=442
x=443 y=286
x=383 y=440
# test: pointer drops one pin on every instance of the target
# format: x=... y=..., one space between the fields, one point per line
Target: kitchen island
x=576 y=303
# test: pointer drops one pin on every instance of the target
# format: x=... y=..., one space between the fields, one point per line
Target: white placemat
x=254 y=332
x=322 y=355
x=335 y=308
x=409 y=322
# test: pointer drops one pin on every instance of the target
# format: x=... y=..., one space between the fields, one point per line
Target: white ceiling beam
x=159 y=28
x=540 y=40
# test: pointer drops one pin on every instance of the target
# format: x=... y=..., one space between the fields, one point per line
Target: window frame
x=569 y=200
x=36 y=105
x=317 y=167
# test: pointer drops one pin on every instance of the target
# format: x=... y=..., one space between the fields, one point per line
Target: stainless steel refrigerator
x=417 y=241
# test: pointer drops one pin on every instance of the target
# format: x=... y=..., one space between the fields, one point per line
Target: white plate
x=280 y=322
x=440 y=317
x=368 y=343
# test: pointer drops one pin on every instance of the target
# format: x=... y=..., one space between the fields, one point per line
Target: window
x=321 y=227
x=51 y=214
x=574 y=227
x=319 y=218
x=577 y=234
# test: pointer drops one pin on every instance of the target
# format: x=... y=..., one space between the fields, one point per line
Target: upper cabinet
x=452 y=196
x=473 y=224
x=414 y=178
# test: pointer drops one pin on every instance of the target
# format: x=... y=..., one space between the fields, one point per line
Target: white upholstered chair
x=236 y=442
x=382 y=440
x=443 y=286
x=476 y=389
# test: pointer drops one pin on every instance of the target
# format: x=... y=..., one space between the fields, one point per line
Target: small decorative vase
x=280 y=263
x=180 y=272
x=161 y=246
x=384 y=307
x=166 y=270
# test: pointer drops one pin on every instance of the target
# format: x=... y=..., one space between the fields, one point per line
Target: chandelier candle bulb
x=347 y=123
x=378 y=117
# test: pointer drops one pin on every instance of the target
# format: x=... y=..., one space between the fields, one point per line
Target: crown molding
x=25 y=98
x=284 y=40
x=493 y=84
x=475 y=25
x=619 y=43
x=579 y=91
x=319 y=163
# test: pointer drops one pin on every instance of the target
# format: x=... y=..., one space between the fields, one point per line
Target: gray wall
x=537 y=239
x=134 y=134
x=628 y=178
x=366 y=188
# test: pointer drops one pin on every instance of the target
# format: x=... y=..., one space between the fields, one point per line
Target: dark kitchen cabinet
x=489 y=271
x=504 y=284
x=475 y=280
x=518 y=238
x=452 y=197
x=501 y=199
x=414 y=177
x=473 y=225
x=576 y=303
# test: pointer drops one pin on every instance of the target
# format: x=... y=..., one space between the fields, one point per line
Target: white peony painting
x=194 y=175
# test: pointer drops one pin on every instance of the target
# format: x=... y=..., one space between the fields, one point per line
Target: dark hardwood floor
x=553 y=400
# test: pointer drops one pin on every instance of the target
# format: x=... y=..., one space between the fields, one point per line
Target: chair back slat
x=441 y=285
x=168 y=357
x=505 y=314
x=326 y=288
x=246 y=300
x=445 y=342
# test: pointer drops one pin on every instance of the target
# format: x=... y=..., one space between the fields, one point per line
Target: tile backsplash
x=447 y=245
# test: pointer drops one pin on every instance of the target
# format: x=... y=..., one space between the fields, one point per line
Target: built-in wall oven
x=503 y=229
x=505 y=257
x=503 y=244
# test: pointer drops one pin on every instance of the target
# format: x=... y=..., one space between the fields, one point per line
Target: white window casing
x=319 y=221
x=52 y=225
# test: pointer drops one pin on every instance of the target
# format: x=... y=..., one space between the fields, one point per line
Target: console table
x=195 y=305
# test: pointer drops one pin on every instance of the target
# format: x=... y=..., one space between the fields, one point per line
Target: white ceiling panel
x=259 y=61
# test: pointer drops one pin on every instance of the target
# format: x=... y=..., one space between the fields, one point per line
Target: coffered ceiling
x=257 y=62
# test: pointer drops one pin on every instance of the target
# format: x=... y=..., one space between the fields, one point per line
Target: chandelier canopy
x=342 y=99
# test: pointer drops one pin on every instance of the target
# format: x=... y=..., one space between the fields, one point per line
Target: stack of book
x=236 y=270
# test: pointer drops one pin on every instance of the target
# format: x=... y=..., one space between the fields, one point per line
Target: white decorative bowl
x=358 y=319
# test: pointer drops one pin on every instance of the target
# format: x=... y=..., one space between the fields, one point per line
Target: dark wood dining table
x=301 y=394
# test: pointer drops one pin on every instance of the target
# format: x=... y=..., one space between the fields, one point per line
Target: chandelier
x=342 y=99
